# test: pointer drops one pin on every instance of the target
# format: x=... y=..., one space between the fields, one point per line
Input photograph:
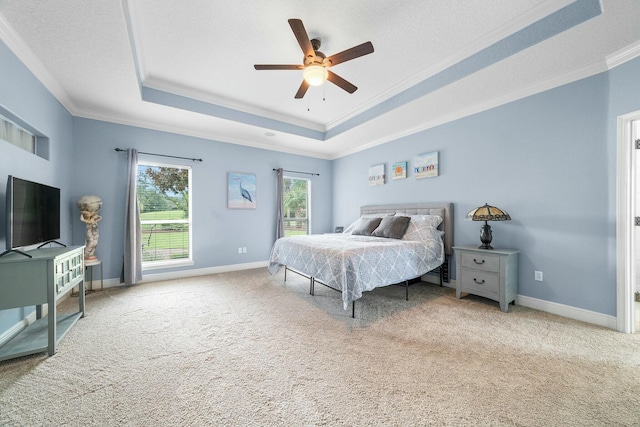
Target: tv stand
x=44 y=278
x=16 y=251
x=52 y=241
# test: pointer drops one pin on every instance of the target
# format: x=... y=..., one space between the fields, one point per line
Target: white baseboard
x=549 y=307
x=156 y=277
x=17 y=328
x=568 y=311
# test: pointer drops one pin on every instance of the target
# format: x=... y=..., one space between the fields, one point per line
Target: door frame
x=625 y=236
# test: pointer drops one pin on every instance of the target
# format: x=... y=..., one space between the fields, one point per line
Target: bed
x=356 y=263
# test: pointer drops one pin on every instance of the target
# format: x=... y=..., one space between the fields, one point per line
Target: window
x=296 y=197
x=164 y=197
x=14 y=134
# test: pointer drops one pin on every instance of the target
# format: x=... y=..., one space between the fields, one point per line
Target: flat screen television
x=33 y=213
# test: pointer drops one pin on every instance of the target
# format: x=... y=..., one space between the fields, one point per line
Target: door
x=628 y=167
x=635 y=174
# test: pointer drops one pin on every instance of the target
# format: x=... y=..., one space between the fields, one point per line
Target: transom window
x=16 y=135
x=164 y=198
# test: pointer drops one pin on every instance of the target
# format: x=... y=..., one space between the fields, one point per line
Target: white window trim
x=184 y=262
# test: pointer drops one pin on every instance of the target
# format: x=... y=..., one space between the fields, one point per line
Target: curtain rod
x=163 y=155
x=305 y=173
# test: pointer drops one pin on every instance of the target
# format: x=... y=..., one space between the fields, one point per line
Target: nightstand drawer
x=487 y=262
x=479 y=281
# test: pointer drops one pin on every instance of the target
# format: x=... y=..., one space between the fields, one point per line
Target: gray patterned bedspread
x=354 y=264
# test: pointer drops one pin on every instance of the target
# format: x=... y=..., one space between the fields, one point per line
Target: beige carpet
x=245 y=349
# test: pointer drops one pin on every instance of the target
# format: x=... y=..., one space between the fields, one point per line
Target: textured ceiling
x=187 y=67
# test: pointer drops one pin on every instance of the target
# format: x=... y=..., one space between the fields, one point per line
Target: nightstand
x=487 y=273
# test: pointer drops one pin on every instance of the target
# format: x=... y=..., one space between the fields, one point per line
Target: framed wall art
x=426 y=165
x=399 y=170
x=376 y=175
x=241 y=190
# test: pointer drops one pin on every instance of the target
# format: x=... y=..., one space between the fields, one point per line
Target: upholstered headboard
x=445 y=210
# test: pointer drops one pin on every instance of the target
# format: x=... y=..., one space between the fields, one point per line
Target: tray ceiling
x=187 y=67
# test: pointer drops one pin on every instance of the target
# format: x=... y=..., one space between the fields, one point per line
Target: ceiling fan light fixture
x=315 y=75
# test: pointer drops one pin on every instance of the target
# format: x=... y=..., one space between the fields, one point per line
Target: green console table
x=45 y=278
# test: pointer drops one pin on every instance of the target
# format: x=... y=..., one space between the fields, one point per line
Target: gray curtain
x=280 y=203
x=132 y=268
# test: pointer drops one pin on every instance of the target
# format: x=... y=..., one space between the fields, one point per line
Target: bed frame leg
x=353 y=309
x=285 y=273
x=406 y=287
x=311 y=285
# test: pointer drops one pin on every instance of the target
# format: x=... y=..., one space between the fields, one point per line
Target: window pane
x=163 y=242
x=163 y=192
x=295 y=199
x=163 y=197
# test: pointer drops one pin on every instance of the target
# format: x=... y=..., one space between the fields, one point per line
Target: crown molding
x=623 y=55
x=21 y=50
x=179 y=130
x=530 y=90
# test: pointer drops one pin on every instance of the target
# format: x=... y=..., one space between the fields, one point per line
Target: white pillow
x=423 y=227
x=436 y=219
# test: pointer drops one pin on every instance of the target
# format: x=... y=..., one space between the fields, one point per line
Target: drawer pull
x=479 y=282
x=476 y=261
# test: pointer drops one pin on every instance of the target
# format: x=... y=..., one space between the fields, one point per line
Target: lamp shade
x=487 y=213
x=315 y=75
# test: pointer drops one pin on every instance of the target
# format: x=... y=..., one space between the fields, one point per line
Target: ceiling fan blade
x=340 y=82
x=303 y=89
x=303 y=39
x=277 y=67
x=349 y=54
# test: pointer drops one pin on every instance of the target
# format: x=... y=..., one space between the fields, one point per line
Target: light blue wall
x=549 y=160
x=23 y=97
x=218 y=231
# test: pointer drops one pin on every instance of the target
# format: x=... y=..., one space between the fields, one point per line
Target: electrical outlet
x=244 y=250
x=239 y=250
x=538 y=276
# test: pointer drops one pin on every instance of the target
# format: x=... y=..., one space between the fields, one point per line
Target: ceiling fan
x=315 y=64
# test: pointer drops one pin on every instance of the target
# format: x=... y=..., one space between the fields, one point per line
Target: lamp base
x=485 y=236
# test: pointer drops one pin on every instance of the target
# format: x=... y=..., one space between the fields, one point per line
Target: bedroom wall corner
x=542 y=159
